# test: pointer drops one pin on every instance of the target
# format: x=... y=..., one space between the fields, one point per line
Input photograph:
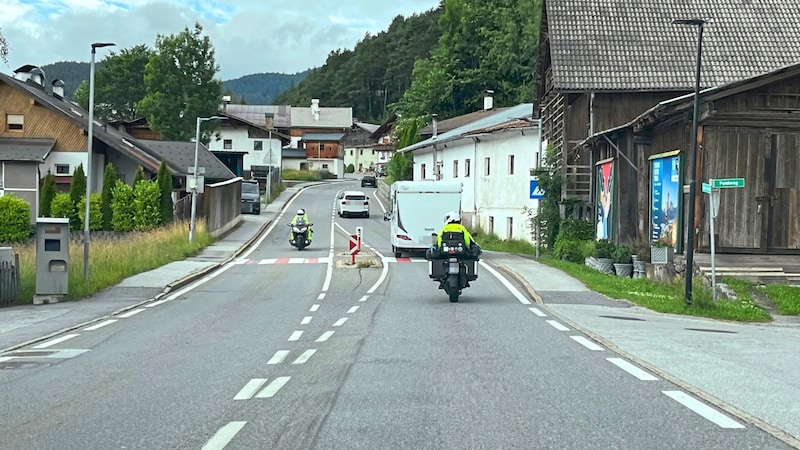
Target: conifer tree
x=165 y=186
x=77 y=190
x=47 y=195
x=110 y=178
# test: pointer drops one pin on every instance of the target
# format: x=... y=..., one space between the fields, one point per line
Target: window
x=227 y=144
x=258 y=145
x=511 y=164
x=491 y=224
x=510 y=228
x=487 y=166
x=361 y=152
x=62 y=169
x=455 y=169
x=466 y=168
x=351 y=152
x=422 y=172
x=324 y=167
x=15 y=122
x=373 y=152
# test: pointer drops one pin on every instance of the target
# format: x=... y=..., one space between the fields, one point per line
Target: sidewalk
x=751 y=371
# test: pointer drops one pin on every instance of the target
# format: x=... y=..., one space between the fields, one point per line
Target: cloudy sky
x=250 y=36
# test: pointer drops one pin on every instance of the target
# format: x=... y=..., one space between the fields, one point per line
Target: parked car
x=251 y=197
x=369 y=180
x=352 y=203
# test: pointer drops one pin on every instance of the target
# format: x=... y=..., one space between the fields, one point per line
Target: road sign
x=706 y=188
x=359 y=233
x=536 y=193
x=723 y=183
x=353 y=244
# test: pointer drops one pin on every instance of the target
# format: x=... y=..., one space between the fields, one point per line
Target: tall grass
x=111 y=260
x=300 y=175
x=786 y=298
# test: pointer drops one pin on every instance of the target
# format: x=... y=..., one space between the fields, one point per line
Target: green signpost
x=723 y=183
x=717 y=184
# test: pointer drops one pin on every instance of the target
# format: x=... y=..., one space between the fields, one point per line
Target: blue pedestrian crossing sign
x=536 y=192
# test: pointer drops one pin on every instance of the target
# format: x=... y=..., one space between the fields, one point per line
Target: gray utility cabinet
x=52 y=257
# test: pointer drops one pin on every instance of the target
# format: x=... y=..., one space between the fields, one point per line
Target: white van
x=417 y=211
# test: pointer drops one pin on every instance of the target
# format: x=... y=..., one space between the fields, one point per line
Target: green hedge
x=15 y=215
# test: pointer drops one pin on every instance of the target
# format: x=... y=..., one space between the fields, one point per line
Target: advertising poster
x=665 y=200
x=605 y=198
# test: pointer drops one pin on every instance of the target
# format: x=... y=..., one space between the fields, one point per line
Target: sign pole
x=712 y=218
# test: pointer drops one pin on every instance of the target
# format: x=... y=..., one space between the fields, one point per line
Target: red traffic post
x=354 y=247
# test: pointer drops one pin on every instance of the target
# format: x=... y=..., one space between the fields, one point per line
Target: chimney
x=269 y=120
x=58 y=89
x=488 y=100
x=435 y=126
x=225 y=100
x=315 y=108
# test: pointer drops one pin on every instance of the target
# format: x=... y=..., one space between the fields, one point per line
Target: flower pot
x=662 y=255
x=591 y=261
x=623 y=270
x=605 y=265
x=639 y=269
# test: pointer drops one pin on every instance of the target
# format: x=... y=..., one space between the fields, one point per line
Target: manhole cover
x=707 y=330
x=13 y=365
x=624 y=318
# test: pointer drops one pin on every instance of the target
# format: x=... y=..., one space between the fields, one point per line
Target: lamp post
x=194 y=187
x=88 y=201
x=689 y=271
x=269 y=173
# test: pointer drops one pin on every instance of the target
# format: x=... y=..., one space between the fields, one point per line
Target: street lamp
x=88 y=201
x=194 y=187
x=689 y=273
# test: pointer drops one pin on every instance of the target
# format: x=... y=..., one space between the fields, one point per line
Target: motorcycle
x=299 y=236
x=453 y=266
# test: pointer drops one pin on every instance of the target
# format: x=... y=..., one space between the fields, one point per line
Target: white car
x=352 y=203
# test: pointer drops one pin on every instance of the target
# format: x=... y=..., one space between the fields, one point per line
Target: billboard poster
x=605 y=198
x=665 y=198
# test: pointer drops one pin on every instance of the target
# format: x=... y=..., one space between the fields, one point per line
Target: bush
x=578 y=230
x=622 y=255
x=569 y=250
x=604 y=249
x=15 y=215
x=165 y=194
x=95 y=212
x=76 y=190
x=62 y=206
x=350 y=168
x=110 y=178
x=47 y=195
x=326 y=175
x=122 y=207
x=147 y=215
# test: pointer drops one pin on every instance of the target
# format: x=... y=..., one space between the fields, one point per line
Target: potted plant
x=588 y=251
x=661 y=252
x=640 y=255
x=604 y=254
x=622 y=261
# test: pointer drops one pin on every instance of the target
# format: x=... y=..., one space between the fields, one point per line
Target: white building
x=493 y=157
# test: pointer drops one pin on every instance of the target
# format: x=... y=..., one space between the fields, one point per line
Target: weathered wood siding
x=785 y=207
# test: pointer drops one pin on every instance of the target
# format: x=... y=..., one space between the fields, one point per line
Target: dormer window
x=15 y=122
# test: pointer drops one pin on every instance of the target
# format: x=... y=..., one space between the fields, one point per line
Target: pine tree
x=138 y=177
x=110 y=178
x=165 y=186
x=77 y=191
x=47 y=195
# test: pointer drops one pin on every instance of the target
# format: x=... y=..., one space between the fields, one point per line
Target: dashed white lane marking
x=538 y=312
x=325 y=336
x=100 y=325
x=702 y=409
x=273 y=387
x=296 y=335
x=514 y=291
x=278 y=357
x=306 y=320
x=321 y=296
x=340 y=322
x=587 y=343
x=557 y=325
x=224 y=436
x=314 y=308
x=56 y=341
x=352 y=310
x=250 y=389
x=364 y=298
x=131 y=313
x=631 y=369
x=305 y=356
x=6 y=358
x=150 y=305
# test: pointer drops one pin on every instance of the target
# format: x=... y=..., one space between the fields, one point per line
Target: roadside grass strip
x=785 y=297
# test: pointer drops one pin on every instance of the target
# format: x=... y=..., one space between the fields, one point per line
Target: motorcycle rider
x=302 y=217
x=452 y=224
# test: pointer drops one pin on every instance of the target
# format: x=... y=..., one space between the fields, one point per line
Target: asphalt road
x=287 y=349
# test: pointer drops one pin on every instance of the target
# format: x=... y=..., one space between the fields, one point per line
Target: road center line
x=296 y=335
x=538 y=312
x=131 y=313
x=56 y=341
x=306 y=320
x=632 y=369
x=352 y=310
x=702 y=409
x=154 y=304
x=340 y=322
x=555 y=324
x=250 y=389
x=314 y=308
x=305 y=356
x=273 y=387
x=587 y=343
x=100 y=325
x=514 y=291
x=325 y=336
x=224 y=436
x=321 y=296
x=278 y=357
x=364 y=298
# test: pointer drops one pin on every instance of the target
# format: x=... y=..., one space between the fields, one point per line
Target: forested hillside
x=70 y=72
x=375 y=73
x=262 y=88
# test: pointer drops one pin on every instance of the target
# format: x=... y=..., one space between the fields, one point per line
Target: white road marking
x=538 y=312
x=56 y=341
x=325 y=336
x=352 y=310
x=514 y=291
x=100 y=325
x=131 y=313
x=268 y=261
x=555 y=324
x=364 y=298
x=250 y=389
x=160 y=302
x=296 y=335
x=340 y=322
x=702 y=409
x=314 y=308
x=6 y=358
x=329 y=271
x=224 y=436
x=273 y=388
x=632 y=369
x=306 y=320
x=587 y=343
x=305 y=356
x=321 y=296
x=296 y=260
x=278 y=357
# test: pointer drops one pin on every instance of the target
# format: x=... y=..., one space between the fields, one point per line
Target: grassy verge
x=277 y=188
x=786 y=298
x=300 y=175
x=113 y=260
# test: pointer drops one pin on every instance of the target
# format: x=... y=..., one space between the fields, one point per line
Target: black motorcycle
x=453 y=265
x=299 y=237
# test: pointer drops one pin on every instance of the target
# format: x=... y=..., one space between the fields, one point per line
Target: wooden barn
x=748 y=129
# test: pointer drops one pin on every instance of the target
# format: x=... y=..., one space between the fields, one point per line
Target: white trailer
x=417 y=211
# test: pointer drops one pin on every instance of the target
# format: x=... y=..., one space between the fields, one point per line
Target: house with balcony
x=359 y=147
x=320 y=132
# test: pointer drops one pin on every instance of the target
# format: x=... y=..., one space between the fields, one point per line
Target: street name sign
x=723 y=183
